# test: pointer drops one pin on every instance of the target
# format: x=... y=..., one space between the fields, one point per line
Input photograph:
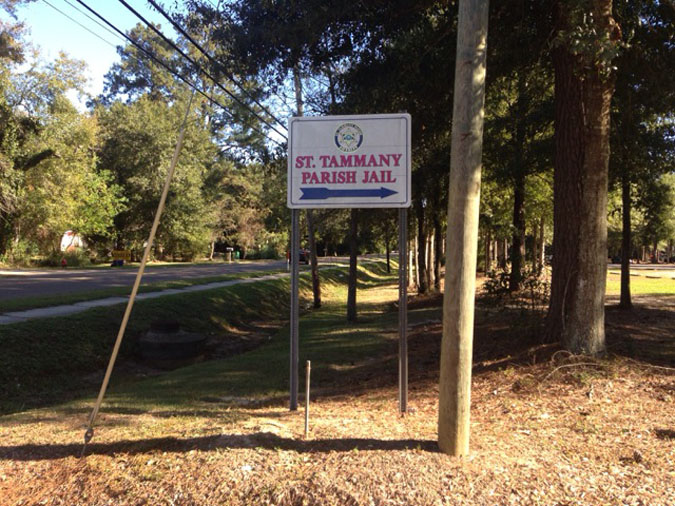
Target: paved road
x=647 y=270
x=21 y=283
x=32 y=282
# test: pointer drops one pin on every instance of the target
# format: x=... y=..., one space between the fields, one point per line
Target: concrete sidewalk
x=78 y=307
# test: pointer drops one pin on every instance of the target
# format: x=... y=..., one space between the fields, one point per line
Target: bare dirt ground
x=547 y=428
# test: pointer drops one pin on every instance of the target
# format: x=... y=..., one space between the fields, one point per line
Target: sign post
x=346 y=162
x=295 y=306
x=403 y=310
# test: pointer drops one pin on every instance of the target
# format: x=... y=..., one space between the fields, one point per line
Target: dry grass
x=547 y=428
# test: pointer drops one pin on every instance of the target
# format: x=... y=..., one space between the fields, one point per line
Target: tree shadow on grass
x=267 y=440
x=646 y=333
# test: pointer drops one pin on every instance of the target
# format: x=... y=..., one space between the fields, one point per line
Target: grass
x=46 y=360
x=333 y=345
x=546 y=427
x=121 y=291
x=640 y=285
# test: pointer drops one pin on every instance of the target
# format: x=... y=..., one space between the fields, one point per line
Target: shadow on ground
x=211 y=443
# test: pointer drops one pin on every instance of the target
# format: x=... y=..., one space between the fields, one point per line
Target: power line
x=170 y=70
x=92 y=19
x=184 y=33
x=196 y=65
x=79 y=24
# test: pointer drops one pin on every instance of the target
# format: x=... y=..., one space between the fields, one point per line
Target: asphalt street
x=21 y=283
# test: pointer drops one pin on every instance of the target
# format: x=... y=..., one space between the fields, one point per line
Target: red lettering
x=359 y=160
x=385 y=177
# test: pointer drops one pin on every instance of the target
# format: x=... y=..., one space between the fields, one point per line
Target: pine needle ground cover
x=547 y=427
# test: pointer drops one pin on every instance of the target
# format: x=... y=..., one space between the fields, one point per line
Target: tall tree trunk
x=501 y=254
x=316 y=282
x=421 y=249
x=314 y=261
x=582 y=103
x=411 y=265
x=535 y=248
x=542 y=246
x=430 y=260
x=416 y=266
x=353 y=252
x=518 y=239
x=387 y=246
x=625 y=301
x=438 y=253
x=487 y=239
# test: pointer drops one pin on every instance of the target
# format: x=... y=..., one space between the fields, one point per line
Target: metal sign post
x=349 y=162
x=295 y=306
x=403 y=310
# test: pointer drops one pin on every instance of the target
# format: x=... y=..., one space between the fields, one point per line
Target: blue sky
x=54 y=32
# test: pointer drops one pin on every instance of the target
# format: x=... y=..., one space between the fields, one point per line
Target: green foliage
x=138 y=141
x=20 y=253
x=49 y=182
x=584 y=36
x=658 y=203
x=72 y=259
x=65 y=191
x=11 y=32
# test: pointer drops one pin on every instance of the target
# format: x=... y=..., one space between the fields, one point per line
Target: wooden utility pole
x=462 y=235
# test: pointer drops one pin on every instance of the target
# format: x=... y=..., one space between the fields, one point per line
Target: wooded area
x=577 y=159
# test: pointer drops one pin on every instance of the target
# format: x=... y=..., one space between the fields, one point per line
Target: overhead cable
x=197 y=66
x=173 y=72
x=217 y=64
x=79 y=24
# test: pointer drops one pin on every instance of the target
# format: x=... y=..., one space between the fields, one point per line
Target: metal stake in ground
x=89 y=434
x=308 y=373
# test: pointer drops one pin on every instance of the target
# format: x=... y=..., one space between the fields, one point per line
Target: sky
x=54 y=32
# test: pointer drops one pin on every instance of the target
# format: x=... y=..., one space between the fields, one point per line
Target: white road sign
x=349 y=161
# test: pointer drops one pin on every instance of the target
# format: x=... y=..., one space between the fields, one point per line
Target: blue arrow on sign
x=323 y=193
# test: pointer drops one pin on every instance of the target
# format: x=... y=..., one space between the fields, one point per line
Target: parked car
x=304 y=256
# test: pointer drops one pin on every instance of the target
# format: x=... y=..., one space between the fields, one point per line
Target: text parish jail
x=347 y=161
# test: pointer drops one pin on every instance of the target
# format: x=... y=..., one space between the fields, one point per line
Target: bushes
x=79 y=258
x=20 y=254
x=535 y=291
